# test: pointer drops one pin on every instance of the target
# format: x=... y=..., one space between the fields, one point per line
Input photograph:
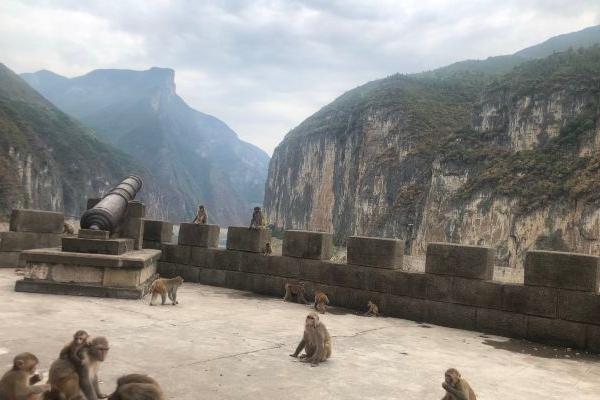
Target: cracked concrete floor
x=226 y=344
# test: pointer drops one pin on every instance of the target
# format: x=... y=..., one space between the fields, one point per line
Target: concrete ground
x=225 y=344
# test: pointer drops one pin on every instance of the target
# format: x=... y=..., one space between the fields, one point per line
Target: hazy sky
x=264 y=66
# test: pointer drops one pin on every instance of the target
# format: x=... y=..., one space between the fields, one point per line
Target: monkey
x=137 y=387
x=315 y=340
x=72 y=351
x=257 y=219
x=321 y=302
x=268 y=249
x=68 y=228
x=201 y=216
x=66 y=383
x=373 y=310
x=456 y=387
x=17 y=383
x=166 y=287
x=295 y=291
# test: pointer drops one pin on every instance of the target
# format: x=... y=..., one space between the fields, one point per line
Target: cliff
x=508 y=161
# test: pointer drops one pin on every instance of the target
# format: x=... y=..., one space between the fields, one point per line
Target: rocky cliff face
x=508 y=162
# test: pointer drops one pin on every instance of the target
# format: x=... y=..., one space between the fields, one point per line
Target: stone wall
x=558 y=303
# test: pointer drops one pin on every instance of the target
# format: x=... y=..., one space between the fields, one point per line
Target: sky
x=264 y=66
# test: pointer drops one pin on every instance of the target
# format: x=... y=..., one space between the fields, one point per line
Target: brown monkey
x=268 y=251
x=321 y=302
x=295 y=291
x=164 y=287
x=137 y=387
x=373 y=310
x=17 y=383
x=68 y=228
x=257 y=219
x=316 y=341
x=201 y=216
x=68 y=383
x=456 y=387
x=72 y=351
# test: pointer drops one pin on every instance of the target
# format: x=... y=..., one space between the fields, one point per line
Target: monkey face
x=312 y=320
x=451 y=377
x=80 y=339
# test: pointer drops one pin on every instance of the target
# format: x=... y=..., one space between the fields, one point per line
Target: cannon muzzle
x=107 y=214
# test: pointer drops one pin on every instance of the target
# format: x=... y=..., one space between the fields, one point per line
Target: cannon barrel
x=107 y=214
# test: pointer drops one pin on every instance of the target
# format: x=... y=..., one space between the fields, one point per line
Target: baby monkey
x=268 y=251
x=72 y=351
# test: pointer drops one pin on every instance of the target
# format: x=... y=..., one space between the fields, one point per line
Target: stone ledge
x=200 y=235
x=375 y=252
x=569 y=271
x=474 y=262
x=131 y=259
x=72 y=289
x=97 y=246
x=10 y=259
x=17 y=241
x=307 y=244
x=245 y=239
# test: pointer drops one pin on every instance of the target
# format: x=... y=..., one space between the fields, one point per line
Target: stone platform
x=99 y=275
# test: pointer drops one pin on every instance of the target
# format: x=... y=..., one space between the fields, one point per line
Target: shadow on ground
x=538 y=350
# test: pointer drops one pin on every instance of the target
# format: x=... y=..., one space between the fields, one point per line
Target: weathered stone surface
x=202 y=257
x=151 y=244
x=531 y=300
x=307 y=244
x=131 y=259
x=404 y=307
x=91 y=203
x=158 y=231
x=473 y=262
x=226 y=260
x=199 y=235
x=377 y=279
x=375 y=252
x=355 y=299
x=244 y=239
x=593 y=338
x=10 y=259
x=189 y=273
x=502 y=323
x=93 y=234
x=95 y=246
x=411 y=284
x=17 y=241
x=74 y=289
x=439 y=287
x=69 y=273
x=556 y=332
x=133 y=228
x=213 y=277
x=287 y=267
x=136 y=209
x=175 y=253
x=579 y=306
x=167 y=269
x=474 y=292
x=36 y=221
x=255 y=263
x=452 y=315
x=562 y=270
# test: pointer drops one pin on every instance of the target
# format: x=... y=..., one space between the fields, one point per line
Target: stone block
x=226 y=260
x=556 y=332
x=76 y=274
x=245 y=239
x=451 y=315
x=199 y=235
x=17 y=241
x=340 y=275
x=213 y=277
x=118 y=277
x=411 y=284
x=75 y=289
x=531 y=300
x=167 y=269
x=255 y=263
x=474 y=292
x=151 y=244
x=95 y=246
x=439 y=287
x=375 y=252
x=472 y=262
x=569 y=271
x=307 y=244
x=133 y=228
x=502 y=323
x=132 y=259
x=377 y=279
x=175 y=253
x=355 y=299
x=579 y=306
x=93 y=234
x=91 y=203
x=189 y=273
x=10 y=259
x=202 y=256
x=593 y=338
x=158 y=231
x=286 y=267
x=404 y=307
x=136 y=209
x=36 y=221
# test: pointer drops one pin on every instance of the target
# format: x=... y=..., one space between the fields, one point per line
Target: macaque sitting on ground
x=295 y=292
x=456 y=387
x=18 y=383
x=316 y=341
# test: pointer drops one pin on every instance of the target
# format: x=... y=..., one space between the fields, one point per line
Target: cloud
x=264 y=66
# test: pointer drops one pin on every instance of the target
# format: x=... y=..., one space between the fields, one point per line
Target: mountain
x=468 y=154
x=50 y=161
x=196 y=157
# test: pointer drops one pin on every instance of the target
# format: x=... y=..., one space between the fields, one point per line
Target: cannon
x=108 y=213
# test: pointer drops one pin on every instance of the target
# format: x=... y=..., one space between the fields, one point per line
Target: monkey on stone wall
x=316 y=341
x=257 y=219
x=137 y=387
x=201 y=216
x=295 y=291
x=456 y=387
x=268 y=251
x=68 y=229
x=17 y=383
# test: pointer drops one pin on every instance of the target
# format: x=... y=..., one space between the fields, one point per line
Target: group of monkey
x=73 y=376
